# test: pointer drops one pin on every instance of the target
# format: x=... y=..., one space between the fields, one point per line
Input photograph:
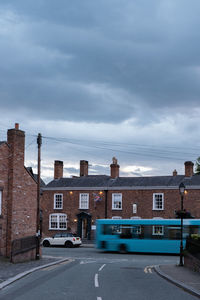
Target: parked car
x=68 y=240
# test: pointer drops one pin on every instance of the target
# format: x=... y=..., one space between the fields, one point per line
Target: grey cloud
x=101 y=63
x=136 y=50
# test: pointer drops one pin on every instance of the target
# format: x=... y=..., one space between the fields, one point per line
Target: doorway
x=84 y=225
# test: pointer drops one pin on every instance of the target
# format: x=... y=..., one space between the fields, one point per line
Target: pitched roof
x=30 y=170
x=129 y=182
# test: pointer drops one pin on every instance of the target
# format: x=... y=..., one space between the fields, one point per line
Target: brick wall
x=191 y=262
x=143 y=199
x=19 y=201
x=4 y=156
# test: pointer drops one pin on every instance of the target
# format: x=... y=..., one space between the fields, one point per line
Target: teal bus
x=144 y=235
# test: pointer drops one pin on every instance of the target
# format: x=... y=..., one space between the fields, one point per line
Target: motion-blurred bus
x=144 y=235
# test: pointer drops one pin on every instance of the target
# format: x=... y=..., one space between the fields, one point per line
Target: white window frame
x=58 y=220
x=56 y=206
x=154 y=230
x=83 y=203
x=155 y=206
x=114 y=206
x=134 y=208
x=116 y=217
x=1 y=202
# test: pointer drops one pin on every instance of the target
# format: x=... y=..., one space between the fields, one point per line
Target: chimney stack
x=175 y=173
x=58 y=169
x=189 y=168
x=83 y=168
x=114 y=168
x=16 y=140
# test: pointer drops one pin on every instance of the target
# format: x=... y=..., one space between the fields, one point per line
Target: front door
x=84 y=225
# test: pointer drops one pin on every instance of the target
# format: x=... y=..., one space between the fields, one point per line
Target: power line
x=150 y=153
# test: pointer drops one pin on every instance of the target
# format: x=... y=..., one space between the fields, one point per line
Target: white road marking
x=83 y=262
x=101 y=267
x=148 y=269
x=99 y=298
x=96 y=281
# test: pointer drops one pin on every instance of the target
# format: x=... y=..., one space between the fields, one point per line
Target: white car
x=68 y=240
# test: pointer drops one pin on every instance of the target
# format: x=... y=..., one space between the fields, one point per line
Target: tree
x=197 y=166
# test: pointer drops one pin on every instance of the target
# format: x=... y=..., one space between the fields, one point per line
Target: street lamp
x=181 y=191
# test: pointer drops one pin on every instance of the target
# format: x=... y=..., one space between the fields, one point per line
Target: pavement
x=182 y=277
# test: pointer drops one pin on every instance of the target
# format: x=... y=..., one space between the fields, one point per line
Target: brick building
x=75 y=203
x=18 y=200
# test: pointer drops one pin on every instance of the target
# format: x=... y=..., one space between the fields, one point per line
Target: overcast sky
x=100 y=79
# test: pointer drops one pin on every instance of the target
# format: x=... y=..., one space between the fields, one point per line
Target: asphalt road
x=94 y=275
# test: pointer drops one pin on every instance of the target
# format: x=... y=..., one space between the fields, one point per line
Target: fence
x=23 y=245
x=193 y=247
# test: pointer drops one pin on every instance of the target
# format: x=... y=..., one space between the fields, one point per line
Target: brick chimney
x=189 y=168
x=16 y=141
x=114 y=168
x=175 y=173
x=83 y=168
x=58 y=169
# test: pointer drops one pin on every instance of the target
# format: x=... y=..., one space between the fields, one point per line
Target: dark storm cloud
x=100 y=61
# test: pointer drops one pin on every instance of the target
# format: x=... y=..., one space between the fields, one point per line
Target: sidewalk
x=182 y=277
x=10 y=272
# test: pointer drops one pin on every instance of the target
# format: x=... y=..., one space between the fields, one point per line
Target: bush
x=195 y=237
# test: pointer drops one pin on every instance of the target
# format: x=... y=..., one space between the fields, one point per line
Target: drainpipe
x=106 y=203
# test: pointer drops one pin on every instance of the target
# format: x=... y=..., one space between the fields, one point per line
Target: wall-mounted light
x=100 y=193
x=71 y=193
x=75 y=220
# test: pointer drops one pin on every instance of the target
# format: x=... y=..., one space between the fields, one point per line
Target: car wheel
x=46 y=244
x=122 y=249
x=68 y=244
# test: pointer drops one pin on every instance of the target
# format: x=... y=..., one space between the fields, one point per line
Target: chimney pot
x=114 y=168
x=17 y=126
x=175 y=173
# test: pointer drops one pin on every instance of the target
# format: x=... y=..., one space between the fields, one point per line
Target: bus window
x=126 y=232
x=174 y=232
x=136 y=229
x=111 y=229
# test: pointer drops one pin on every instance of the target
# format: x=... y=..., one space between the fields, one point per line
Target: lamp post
x=181 y=191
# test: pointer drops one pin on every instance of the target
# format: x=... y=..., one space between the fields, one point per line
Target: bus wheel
x=122 y=249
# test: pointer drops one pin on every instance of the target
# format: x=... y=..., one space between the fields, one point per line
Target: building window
x=58 y=221
x=0 y=202
x=158 y=230
x=58 y=201
x=117 y=201
x=158 y=201
x=134 y=208
x=84 y=201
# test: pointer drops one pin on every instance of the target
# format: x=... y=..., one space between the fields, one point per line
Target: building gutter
x=131 y=188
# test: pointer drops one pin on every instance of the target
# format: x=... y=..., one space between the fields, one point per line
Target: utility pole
x=38 y=233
